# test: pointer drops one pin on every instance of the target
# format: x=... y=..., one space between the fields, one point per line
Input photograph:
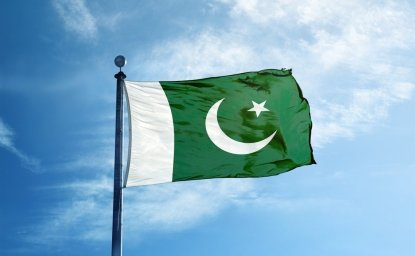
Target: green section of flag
x=197 y=157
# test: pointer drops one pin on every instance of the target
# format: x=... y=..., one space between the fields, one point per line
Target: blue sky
x=354 y=61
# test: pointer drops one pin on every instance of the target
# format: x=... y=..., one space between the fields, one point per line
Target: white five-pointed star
x=258 y=108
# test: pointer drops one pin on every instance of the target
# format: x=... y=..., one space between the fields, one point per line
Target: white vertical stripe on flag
x=151 y=135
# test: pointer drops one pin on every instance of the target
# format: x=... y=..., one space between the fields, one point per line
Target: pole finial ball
x=120 y=61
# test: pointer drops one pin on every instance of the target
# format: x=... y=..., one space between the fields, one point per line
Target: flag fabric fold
x=253 y=124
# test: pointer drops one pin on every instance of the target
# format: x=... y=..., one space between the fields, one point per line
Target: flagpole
x=117 y=203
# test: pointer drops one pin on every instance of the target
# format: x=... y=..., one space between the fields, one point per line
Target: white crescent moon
x=220 y=139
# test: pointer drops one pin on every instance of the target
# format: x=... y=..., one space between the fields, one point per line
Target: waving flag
x=252 y=124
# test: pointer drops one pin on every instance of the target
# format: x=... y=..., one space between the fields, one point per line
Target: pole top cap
x=120 y=61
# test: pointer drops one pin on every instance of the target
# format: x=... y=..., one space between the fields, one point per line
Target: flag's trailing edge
x=253 y=124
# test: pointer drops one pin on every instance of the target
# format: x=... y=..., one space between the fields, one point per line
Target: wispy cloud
x=348 y=56
x=6 y=142
x=178 y=206
x=366 y=107
x=95 y=146
x=205 y=54
x=86 y=217
x=77 y=17
x=168 y=207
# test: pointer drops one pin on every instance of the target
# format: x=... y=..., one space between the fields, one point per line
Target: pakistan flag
x=252 y=124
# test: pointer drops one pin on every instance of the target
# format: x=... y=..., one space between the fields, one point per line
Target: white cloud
x=5 y=135
x=260 y=12
x=361 y=34
x=365 y=107
x=6 y=142
x=98 y=159
x=86 y=217
x=169 y=207
x=204 y=54
x=95 y=146
x=77 y=17
x=181 y=205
